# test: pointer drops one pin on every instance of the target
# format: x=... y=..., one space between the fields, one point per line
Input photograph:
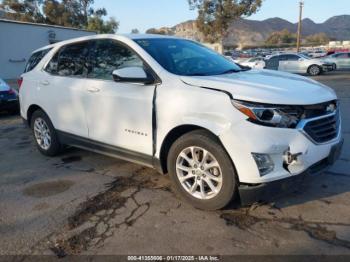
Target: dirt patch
x=47 y=189
x=41 y=206
x=100 y=212
x=322 y=233
x=109 y=199
x=244 y=220
x=239 y=219
x=71 y=159
x=74 y=244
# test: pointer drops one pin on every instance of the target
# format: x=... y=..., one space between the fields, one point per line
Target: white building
x=339 y=44
x=19 y=39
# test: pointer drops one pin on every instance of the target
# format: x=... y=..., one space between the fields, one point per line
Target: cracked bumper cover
x=266 y=192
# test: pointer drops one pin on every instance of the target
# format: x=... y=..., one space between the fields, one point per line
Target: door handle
x=44 y=83
x=94 y=89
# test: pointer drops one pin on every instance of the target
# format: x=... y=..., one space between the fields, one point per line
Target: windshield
x=187 y=58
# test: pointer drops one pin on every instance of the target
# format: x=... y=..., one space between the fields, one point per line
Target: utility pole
x=301 y=5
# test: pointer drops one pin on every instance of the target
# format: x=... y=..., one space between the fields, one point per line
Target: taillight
x=11 y=91
x=19 y=82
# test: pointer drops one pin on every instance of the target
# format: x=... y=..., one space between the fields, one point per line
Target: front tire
x=314 y=70
x=45 y=134
x=201 y=171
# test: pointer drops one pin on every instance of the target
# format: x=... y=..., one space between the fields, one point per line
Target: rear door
x=273 y=63
x=294 y=65
x=283 y=64
x=62 y=87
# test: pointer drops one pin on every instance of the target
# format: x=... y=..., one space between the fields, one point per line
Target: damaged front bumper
x=267 y=192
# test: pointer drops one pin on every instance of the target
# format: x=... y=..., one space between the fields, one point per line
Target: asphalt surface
x=84 y=203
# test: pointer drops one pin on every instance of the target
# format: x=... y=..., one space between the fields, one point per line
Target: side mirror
x=301 y=59
x=132 y=75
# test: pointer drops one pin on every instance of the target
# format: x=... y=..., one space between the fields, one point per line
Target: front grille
x=324 y=129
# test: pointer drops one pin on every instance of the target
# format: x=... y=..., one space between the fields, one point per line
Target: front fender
x=215 y=123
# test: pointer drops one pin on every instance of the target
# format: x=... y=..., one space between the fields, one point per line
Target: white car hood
x=267 y=86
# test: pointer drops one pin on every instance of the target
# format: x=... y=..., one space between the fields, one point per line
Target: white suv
x=181 y=108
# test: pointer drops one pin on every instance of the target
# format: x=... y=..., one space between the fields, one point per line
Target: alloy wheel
x=42 y=133
x=314 y=70
x=199 y=173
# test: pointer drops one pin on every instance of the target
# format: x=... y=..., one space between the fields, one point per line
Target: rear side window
x=292 y=57
x=35 y=59
x=70 y=60
x=107 y=55
x=283 y=57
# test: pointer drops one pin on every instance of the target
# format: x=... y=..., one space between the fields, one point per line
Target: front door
x=118 y=114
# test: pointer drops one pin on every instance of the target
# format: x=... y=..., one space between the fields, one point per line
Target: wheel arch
x=31 y=109
x=173 y=135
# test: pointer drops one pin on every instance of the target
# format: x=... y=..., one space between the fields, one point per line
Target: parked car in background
x=183 y=109
x=341 y=60
x=317 y=53
x=254 y=62
x=8 y=98
x=298 y=63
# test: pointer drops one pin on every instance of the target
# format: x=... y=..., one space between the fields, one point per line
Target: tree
x=215 y=16
x=74 y=13
x=281 y=37
x=97 y=24
x=135 y=31
x=26 y=11
x=156 y=31
x=70 y=13
x=318 y=39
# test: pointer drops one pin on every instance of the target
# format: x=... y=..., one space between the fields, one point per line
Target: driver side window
x=107 y=55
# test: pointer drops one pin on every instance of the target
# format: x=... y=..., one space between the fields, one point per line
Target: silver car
x=298 y=63
x=341 y=60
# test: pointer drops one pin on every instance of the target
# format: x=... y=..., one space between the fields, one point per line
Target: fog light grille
x=264 y=163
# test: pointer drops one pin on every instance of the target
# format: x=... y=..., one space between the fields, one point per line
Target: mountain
x=253 y=32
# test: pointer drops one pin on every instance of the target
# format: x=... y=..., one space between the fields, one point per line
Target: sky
x=145 y=14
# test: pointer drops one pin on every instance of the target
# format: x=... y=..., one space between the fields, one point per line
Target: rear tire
x=45 y=134
x=201 y=171
x=314 y=70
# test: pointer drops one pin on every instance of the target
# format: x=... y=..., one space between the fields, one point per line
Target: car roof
x=111 y=36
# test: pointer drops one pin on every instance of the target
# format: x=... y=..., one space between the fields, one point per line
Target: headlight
x=269 y=115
